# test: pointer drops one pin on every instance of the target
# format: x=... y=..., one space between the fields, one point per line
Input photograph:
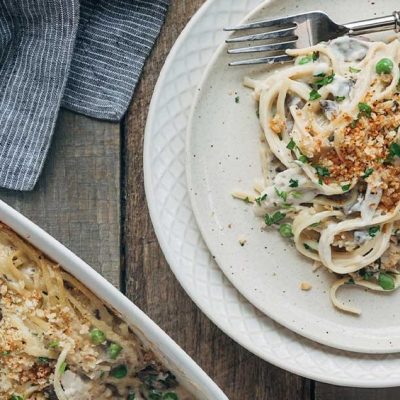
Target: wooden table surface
x=91 y=198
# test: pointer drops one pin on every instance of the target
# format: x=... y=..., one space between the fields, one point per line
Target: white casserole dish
x=189 y=374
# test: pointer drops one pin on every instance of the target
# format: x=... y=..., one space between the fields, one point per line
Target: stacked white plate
x=328 y=346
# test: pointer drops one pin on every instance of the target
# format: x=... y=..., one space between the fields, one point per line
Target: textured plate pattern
x=179 y=236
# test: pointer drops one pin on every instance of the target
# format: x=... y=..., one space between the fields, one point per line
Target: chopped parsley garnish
x=305 y=60
x=346 y=188
x=314 y=95
x=303 y=159
x=293 y=183
x=354 y=70
x=281 y=194
x=312 y=57
x=54 y=344
x=350 y=282
x=315 y=224
x=307 y=247
x=43 y=360
x=170 y=396
x=368 y=172
x=5 y=353
x=237 y=99
x=260 y=199
x=286 y=230
x=247 y=200
x=321 y=171
x=364 y=108
x=339 y=98
x=274 y=219
x=394 y=149
x=354 y=123
x=63 y=367
x=366 y=275
x=291 y=145
x=326 y=80
x=296 y=195
x=386 y=281
x=16 y=397
x=373 y=231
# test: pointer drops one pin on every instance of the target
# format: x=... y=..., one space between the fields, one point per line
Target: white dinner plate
x=179 y=235
x=223 y=156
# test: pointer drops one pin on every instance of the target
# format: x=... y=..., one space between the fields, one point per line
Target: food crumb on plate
x=242 y=240
x=305 y=286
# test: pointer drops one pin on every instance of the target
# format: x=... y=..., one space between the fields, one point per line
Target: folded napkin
x=85 y=55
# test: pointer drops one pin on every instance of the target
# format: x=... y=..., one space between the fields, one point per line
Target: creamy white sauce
x=329 y=108
x=303 y=193
x=355 y=207
x=360 y=237
x=340 y=87
x=349 y=49
x=322 y=68
x=74 y=387
x=370 y=204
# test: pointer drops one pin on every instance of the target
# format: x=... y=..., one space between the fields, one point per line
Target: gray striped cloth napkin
x=84 y=55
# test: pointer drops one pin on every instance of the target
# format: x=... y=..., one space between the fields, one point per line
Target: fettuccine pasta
x=331 y=159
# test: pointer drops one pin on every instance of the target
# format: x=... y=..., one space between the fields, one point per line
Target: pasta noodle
x=331 y=123
x=58 y=341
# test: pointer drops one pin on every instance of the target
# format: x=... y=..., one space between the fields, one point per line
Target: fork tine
x=264 y=36
x=264 y=60
x=264 y=47
x=262 y=24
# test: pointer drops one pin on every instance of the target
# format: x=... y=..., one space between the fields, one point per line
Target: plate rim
x=152 y=206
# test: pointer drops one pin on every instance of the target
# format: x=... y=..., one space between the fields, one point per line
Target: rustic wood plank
x=329 y=392
x=151 y=284
x=77 y=198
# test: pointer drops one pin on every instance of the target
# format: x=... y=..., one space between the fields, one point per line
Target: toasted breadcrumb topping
x=363 y=152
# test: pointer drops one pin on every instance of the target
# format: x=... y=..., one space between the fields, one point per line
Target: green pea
x=286 y=230
x=386 y=281
x=113 y=350
x=119 y=372
x=384 y=66
x=97 y=336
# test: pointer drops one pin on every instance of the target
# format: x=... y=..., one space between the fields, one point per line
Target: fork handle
x=375 y=24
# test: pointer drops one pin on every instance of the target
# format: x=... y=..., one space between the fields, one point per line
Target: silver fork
x=299 y=31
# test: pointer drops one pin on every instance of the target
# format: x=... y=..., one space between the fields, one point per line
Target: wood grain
x=77 y=198
x=149 y=281
x=329 y=392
